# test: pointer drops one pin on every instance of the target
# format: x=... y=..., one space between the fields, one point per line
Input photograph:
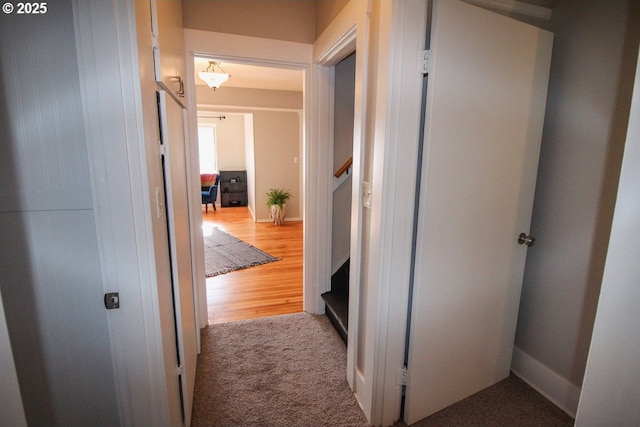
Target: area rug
x=278 y=371
x=224 y=253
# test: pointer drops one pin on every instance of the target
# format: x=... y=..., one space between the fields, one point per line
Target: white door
x=174 y=167
x=483 y=125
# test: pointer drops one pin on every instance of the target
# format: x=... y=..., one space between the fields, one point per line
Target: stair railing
x=344 y=168
x=342 y=174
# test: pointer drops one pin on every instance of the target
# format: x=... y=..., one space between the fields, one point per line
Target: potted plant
x=276 y=200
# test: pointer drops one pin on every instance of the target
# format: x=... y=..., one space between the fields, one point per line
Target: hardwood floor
x=265 y=290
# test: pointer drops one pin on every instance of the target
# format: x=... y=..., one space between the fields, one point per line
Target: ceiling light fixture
x=214 y=75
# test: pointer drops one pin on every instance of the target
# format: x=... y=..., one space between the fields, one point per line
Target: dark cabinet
x=233 y=188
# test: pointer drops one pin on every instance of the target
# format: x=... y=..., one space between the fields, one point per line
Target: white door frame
x=393 y=138
x=349 y=32
x=396 y=168
x=268 y=53
x=112 y=106
x=172 y=117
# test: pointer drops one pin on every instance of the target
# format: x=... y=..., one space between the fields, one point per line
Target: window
x=207 y=148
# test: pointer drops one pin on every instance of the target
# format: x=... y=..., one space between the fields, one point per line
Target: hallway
x=266 y=290
x=278 y=371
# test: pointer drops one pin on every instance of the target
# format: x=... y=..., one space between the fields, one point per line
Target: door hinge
x=179 y=369
x=402 y=376
x=424 y=61
x=154 y=41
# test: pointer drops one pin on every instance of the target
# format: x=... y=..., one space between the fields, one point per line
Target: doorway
x=337 y=299
x=256 y=118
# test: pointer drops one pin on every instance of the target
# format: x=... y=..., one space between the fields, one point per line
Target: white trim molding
x=283 y=54
x=347 y=33
x=557 y=389
x=215 y=108
x=193 y=175
x=113 y=118
x=513 y=6
x=398 y=171
x=245 y=49
x=265 y=220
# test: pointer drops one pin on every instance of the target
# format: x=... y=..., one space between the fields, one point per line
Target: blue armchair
x=209 y=187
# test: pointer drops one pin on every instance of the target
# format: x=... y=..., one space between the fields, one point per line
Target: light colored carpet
x=276 y=371
x=289 y=371
x=224 y=253
x=510 y=402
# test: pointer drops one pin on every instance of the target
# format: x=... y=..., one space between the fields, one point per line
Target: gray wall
x=276 y=139
x=276 y=142
x=50 y=275
x=612 y=379
x=595 y=49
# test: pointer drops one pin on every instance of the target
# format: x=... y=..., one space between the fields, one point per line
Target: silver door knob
x=523 y=239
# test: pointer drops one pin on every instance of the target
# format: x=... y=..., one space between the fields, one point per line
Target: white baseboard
x=514 y=6
x=554 y=387
x=285 y=220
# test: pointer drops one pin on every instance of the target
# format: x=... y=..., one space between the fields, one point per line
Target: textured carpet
x=510 y=402
x=289 y=371
x=276 y=371
x=224 y=253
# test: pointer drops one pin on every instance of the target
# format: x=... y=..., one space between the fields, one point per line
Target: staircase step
x=340 y=280
x=337 y=310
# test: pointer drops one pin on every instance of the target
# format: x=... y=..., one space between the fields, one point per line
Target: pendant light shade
x=214 y=75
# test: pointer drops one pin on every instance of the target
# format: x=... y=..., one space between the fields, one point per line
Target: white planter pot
x=277 y=214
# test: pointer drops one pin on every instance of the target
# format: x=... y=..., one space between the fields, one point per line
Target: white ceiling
x=254 y=77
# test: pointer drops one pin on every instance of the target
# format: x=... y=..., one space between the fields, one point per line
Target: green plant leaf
x=277 y=196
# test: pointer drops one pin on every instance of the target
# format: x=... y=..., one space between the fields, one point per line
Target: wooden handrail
x=344 y=168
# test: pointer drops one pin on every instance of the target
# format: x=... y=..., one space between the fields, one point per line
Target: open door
x=172 y=137
x=486 y=96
